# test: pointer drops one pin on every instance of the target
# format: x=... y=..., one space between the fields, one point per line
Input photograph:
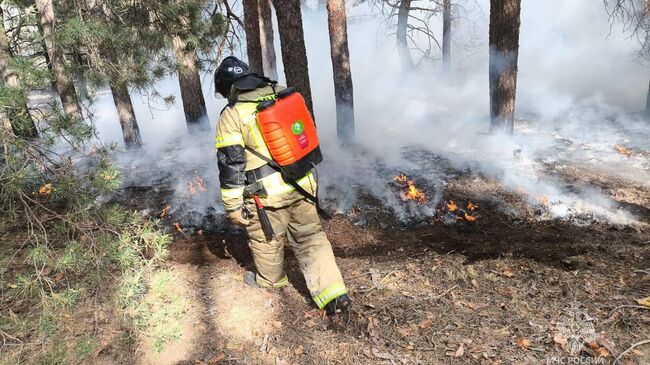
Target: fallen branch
x=630 y=349
x=445 y=293
x=627 y=306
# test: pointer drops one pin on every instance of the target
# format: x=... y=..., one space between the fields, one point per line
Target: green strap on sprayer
x=291 y=182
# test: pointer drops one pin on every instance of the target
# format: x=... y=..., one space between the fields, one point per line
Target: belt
x=259 y=173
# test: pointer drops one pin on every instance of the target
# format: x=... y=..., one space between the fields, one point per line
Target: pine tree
x=253 y=40
x=15 y=117
x=504 y=52
x=401 y=35
x=189 y=80
x=446 y=35
x=64 y=83
x=266 y=39
x=337 y=23
x=292 y=44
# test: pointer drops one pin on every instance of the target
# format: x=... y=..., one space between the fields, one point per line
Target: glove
x=237 y=217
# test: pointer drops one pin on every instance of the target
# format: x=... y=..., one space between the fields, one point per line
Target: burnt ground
x=494 y=291
x=515 y=286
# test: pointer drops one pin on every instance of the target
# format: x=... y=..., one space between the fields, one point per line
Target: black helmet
x=234 y=71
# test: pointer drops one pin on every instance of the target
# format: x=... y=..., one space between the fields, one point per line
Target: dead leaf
x=644 y=301
x=460 y=351
x=560 y=339
x=523 y=343
x=218 y=358
x=507 y=272
x=599 y=351
x=178 y=227
x=405 y=331
x=382 y=355
x=470 y=305
x=299 y=350
x=58 y=277
x=426 y=323
x=310 y=323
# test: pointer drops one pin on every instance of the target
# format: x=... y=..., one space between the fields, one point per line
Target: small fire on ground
x=410 y=192
x=451 y=210
x=195 y=185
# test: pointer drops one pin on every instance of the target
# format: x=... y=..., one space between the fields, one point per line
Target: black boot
x=338 y=305
x=250 y=279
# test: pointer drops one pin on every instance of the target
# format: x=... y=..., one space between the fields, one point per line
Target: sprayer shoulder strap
x=291 y=182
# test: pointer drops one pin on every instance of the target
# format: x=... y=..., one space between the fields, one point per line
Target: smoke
x=578 y=90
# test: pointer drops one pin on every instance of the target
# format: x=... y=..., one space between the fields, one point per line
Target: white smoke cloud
x=578 y=82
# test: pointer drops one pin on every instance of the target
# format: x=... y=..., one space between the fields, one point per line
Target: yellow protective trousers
x=298 y=225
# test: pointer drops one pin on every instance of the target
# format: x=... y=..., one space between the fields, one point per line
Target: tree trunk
x=266 y=39
x=189 y=80
x=16 y=116
x=130 y=129
x=292 y=44
x=64 y=83
x=252 y=29
x=504 y=52
x=337 y=24
x=446 y=35
x=402 y=41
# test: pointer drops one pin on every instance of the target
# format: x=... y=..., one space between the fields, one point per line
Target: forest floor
x=513 y=286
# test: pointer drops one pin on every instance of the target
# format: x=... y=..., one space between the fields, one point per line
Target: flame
x=451 y=206
x=45 y=190
x=411 y=192
x=472 y=206
x=469 y=218
x=622 y=150
x=401 y=179
x=165 y=211
x=196 y=184
x=178 y=227
x=414 y=194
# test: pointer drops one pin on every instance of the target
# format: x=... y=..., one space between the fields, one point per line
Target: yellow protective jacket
x=237 y=128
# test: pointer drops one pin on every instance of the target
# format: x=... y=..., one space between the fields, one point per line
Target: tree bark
x=128 y=122
x=504 y=52
x=337 y=24
x=15 y=117
x=292 y=44
x=252 y=29
x=446 y=35
x=401 y=36
x=266 y=39
x=64 y=83
x=189 y=80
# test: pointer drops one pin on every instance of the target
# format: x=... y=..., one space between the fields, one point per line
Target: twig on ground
x=626 y=306
x=444 y=293
x=630 y=349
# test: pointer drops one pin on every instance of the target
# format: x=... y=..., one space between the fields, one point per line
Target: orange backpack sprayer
x=290 y=133
x=290 y=136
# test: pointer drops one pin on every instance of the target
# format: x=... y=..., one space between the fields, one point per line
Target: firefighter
x=242 y=174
